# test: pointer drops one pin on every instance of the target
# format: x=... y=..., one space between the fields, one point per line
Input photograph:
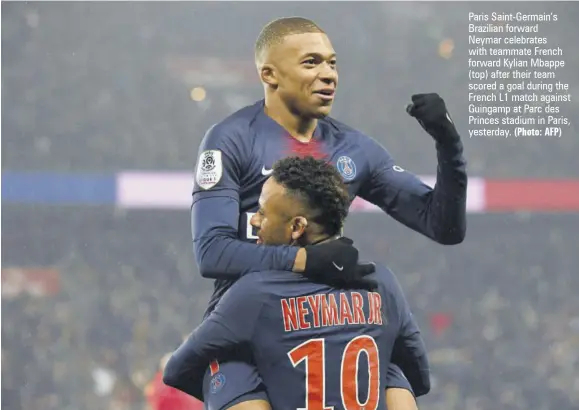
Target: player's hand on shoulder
x=336 y=263
x=431 y=112
x=359 y=278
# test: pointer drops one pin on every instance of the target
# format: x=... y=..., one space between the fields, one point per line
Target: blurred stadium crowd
x=133 y=86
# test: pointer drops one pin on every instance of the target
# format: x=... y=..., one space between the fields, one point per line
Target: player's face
x=276 y=221
x=307 y=75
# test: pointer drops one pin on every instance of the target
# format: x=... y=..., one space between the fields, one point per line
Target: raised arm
x=438 y=213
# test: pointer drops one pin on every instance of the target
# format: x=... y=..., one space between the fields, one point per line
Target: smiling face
x=302 y=70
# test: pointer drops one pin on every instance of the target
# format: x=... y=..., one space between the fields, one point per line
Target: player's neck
x=300 y=128
x=322 y=238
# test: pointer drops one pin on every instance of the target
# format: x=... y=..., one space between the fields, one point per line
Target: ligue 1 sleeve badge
x=209 y=169
x=217 y=383
x=346 y=167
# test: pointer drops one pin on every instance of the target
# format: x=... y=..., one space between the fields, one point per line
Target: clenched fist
x=430 y=111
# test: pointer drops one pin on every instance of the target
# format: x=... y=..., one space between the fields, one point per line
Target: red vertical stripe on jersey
x=305 y=149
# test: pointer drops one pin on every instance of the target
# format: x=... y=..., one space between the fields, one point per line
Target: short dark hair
x=319 y=185
x=275 y=31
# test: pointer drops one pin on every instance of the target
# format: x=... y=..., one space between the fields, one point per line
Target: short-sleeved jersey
x=314 y=346
x=236 y=158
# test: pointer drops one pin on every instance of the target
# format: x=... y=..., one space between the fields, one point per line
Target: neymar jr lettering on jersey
x=298 y=331
x=322 y=310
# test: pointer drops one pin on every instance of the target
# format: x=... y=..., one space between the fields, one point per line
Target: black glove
x=430 y=111
x=335 y=263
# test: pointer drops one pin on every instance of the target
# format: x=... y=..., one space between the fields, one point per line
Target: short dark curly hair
x=319 y=185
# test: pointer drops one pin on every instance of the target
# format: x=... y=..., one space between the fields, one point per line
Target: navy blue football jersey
x=314 y=346
x=236 y=157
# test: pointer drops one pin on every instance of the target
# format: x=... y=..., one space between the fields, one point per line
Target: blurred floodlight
x=445 y=48
x=198 y=94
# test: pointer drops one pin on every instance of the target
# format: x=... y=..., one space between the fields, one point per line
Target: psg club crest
x=209 y=169
x=346 y=167
x=217 y=383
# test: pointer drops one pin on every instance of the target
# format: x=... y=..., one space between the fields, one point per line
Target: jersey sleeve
x=232 y=323
x=215 y=212
x=438 y=213
x=409 y=352
x=219 y=163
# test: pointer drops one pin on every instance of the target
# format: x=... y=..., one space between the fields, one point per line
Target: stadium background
x=100 y=129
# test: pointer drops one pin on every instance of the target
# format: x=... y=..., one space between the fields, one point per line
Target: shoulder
x=338 y=126
x=248 y=283
x=230 y=136
x=262 y=282
x=387 y=281
x=237 y=123
x=256 y=282
x=246 y=291
x=255 y=289
x=346 y=131
x=261 y=279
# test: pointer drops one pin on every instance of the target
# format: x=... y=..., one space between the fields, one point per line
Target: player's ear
x=268 y=75
x=299 y=226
